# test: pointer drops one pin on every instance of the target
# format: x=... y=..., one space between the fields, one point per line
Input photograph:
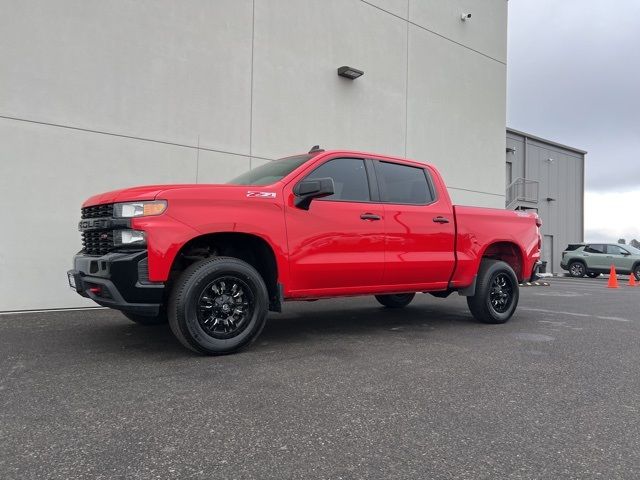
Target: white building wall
x=99 y=95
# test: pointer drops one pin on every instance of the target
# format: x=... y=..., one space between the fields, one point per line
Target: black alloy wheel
x=501 y=294
x=218 y=306
x=225 y=307
x=497 y=292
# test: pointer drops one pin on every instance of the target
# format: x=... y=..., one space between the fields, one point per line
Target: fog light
x=128 y=237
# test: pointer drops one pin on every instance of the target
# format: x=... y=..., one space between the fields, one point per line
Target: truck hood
x=147 y=192
x=199 y=190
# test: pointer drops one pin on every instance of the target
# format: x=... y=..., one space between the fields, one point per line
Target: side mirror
x=307 y=190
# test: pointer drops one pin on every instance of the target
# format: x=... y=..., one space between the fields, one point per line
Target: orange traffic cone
x=632 y=280
x=613 y=278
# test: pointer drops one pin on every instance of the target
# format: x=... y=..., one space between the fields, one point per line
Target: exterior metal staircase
x=522 y=194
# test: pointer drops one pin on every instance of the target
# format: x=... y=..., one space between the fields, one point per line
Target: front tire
x=497 y=293
x=218 y=306
x=636 y=271
x=577 y=269
x=398 y=300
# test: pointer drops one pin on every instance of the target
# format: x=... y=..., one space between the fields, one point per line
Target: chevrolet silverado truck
x=213 y=260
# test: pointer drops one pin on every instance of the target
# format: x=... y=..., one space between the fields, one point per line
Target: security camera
x=465 y=16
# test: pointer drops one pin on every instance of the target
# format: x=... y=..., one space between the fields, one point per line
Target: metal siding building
x=99 y=95
x=549 y=177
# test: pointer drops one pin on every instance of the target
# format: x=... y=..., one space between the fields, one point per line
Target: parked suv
x=595 y=258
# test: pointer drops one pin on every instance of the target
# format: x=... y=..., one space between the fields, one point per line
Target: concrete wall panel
x=484 y=32
x=214 y=167
x=156 y=69
x=298 y=99
x=456 y=112
x=46 y=173
x=395 y=7
x=477 y=199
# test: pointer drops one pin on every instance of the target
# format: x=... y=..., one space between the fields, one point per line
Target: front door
x=338 y=244
x=420 y=227
x=620 y=257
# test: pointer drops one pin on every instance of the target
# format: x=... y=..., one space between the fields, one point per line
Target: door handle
x=440 y=219
x=370 y=216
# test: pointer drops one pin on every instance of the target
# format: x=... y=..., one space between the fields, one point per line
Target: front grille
x=98 y=211
x=97 y=242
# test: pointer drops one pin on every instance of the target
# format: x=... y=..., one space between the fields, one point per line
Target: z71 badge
x=251 y=193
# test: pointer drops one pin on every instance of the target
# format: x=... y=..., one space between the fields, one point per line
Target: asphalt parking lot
x=333 y=389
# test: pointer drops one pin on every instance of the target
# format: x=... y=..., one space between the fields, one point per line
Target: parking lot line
x=617 y=319
x=573 y=314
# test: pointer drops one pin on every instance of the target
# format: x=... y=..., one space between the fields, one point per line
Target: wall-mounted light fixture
x=465 y=16
x=511 y=150
x=350 y=72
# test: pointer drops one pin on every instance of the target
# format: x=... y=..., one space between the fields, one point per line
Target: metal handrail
x=522 y=190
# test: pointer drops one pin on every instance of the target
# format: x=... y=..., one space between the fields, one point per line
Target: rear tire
x=636 y=271
x=577 y=269
x=593 y=274
x=148 y=321
x=398 y=300
x=497 y=293
x=218 y=306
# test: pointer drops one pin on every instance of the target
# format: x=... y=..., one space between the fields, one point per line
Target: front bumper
x=117 y=280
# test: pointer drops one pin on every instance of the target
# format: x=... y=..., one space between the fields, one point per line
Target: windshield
x=631 y=249
x=270 y=172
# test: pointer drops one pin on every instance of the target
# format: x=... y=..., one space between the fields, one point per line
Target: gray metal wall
x=97 y=95
x=560 y=171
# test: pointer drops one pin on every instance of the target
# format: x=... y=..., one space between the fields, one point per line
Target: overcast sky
x=573 y=76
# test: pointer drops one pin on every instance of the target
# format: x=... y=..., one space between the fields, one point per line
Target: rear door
x=595 y=256
x=419 y=227
x=338 y=244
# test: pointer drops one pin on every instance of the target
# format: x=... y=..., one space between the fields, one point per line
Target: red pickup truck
x=212 y=260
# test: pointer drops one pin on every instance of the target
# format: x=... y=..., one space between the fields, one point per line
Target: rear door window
x=403 y=184
x=594 y=248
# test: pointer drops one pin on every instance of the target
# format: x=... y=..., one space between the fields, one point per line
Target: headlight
x=123 y=238
x=139 y=209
